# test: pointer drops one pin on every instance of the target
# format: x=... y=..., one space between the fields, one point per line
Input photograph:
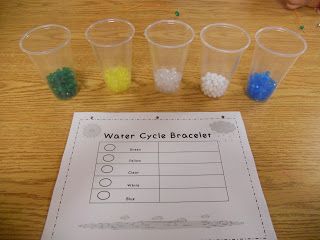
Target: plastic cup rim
x=59 y=46
x=169 y=21
x=109 y=20
x=205 y=28
x=282 y=29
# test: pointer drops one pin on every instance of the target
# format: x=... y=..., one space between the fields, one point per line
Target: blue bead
x=261 y=86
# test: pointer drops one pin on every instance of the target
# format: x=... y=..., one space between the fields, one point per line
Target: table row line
x=204 y=146
x=156 y=169
x=206 y=181
x=159 y=195
x=165 y=158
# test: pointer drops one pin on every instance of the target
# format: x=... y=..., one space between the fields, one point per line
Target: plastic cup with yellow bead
x=111 y=41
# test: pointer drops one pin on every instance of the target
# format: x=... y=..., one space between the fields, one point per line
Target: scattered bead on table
x=118 y=79
x=63 y=83
x=214 y=85
x=167 y=80
x=261 y=86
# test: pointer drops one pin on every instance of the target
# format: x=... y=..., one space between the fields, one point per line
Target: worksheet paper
x=179 y=176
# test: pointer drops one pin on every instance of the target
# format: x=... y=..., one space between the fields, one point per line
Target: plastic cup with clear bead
x=48 y=47
x=111 y=41
x=276 y=50
x=222 y=47
x=168 y=42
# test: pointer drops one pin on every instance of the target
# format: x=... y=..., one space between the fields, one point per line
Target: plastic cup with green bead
x=48 y=47
x=111 y=41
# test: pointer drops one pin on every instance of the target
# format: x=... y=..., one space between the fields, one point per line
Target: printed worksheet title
x=155 y=136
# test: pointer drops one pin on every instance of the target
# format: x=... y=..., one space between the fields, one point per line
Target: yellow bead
x=118 y=79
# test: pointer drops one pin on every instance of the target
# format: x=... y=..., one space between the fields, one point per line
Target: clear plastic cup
x=276 y=50
x=48 y=46
x=222 y=47
x=111 y=41
x=168 y=42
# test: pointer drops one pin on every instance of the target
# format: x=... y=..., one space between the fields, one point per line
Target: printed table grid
x=158 y=172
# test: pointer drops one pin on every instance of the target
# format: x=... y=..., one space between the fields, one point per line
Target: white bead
x=213 y=84
x=167 y=80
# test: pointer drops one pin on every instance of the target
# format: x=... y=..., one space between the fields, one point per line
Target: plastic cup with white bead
x=168 y=41
x=222 y=47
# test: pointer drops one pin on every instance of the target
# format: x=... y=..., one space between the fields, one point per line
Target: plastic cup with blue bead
x=276 y=50
x=168 y=42
x=222 y=47
x=111 y=41
x=48 y=47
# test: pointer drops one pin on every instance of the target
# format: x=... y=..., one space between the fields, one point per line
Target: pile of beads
x=118 y=79
x=261 y=86
x=214 y=85
x=167 y=80
x=62 y=83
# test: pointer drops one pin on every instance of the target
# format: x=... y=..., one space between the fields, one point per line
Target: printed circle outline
x=110 y=145
x=106 y=166
x=103 y=192
x=110 y=182
x=108 y=160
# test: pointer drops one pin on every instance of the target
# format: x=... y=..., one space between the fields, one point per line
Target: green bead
x=301 y=27
x=177 y=13
x=63 y=83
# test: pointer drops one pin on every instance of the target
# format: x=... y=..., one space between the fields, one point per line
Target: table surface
x=284 y=132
